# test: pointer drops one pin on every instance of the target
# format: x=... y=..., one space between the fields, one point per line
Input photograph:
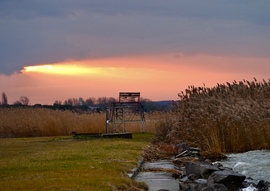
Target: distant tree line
x=91 y=101
x=89 y=104
x=104 y=102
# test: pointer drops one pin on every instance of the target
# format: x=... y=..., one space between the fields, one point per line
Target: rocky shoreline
x=195 y=173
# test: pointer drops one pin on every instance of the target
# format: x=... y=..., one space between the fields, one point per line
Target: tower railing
x=128 y=109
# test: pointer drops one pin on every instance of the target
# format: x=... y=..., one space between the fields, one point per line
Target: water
x=254 y=164
x=157 y=180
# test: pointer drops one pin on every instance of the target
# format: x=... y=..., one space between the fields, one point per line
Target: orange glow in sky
x=157 y=77
x=61 y=69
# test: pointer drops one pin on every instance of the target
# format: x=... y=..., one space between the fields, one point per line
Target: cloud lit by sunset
x=99 y=48
x=61 y=69
x=157 y=77
x=114 y=68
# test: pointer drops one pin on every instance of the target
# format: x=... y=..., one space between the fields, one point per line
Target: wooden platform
x=97 y=135
x=118 y=135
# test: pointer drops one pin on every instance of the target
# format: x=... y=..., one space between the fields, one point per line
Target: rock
x=183 y=186
x=249 y=182
x=177 y=174
x=250 y=188
x=218 y=165
x=201 y=181
x=200 y=170
x=263 y=185
x=193 y=168
x=206 y=170
x=215 y=187
x=230 y=179
x=184 y=179
x=192 y=177
x=194 y=187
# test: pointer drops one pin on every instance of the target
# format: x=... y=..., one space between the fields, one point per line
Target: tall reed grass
x=35 y=122
x=27 y=122
x=231 y=117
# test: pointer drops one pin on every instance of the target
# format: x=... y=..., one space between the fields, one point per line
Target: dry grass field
x=36 y=122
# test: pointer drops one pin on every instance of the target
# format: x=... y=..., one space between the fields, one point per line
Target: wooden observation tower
x=128 y=109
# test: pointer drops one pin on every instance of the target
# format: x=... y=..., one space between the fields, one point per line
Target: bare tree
x=102 y=100
x=24 y=100
x=72 y=101
x=57 y=102
x=111 y=99
x=90 y=101
x=4 y=99
x=105 y=101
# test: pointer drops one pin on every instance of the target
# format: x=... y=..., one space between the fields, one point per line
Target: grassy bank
x=62 y=163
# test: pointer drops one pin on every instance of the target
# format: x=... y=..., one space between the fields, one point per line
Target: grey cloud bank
x=36 y=32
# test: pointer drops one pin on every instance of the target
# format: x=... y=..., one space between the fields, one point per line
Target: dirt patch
x=160 y=150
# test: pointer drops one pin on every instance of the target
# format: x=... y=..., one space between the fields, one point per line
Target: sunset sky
x=59 y=49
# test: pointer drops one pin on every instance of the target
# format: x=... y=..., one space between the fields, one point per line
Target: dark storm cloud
x=35 y=32
x=245 y=10
x=31 y=9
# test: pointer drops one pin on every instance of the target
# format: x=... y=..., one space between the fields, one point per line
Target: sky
x=58 y=49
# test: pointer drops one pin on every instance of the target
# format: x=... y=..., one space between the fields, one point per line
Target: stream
x=254 y=164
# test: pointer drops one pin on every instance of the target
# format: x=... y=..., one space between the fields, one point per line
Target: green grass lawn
x=63 y=163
